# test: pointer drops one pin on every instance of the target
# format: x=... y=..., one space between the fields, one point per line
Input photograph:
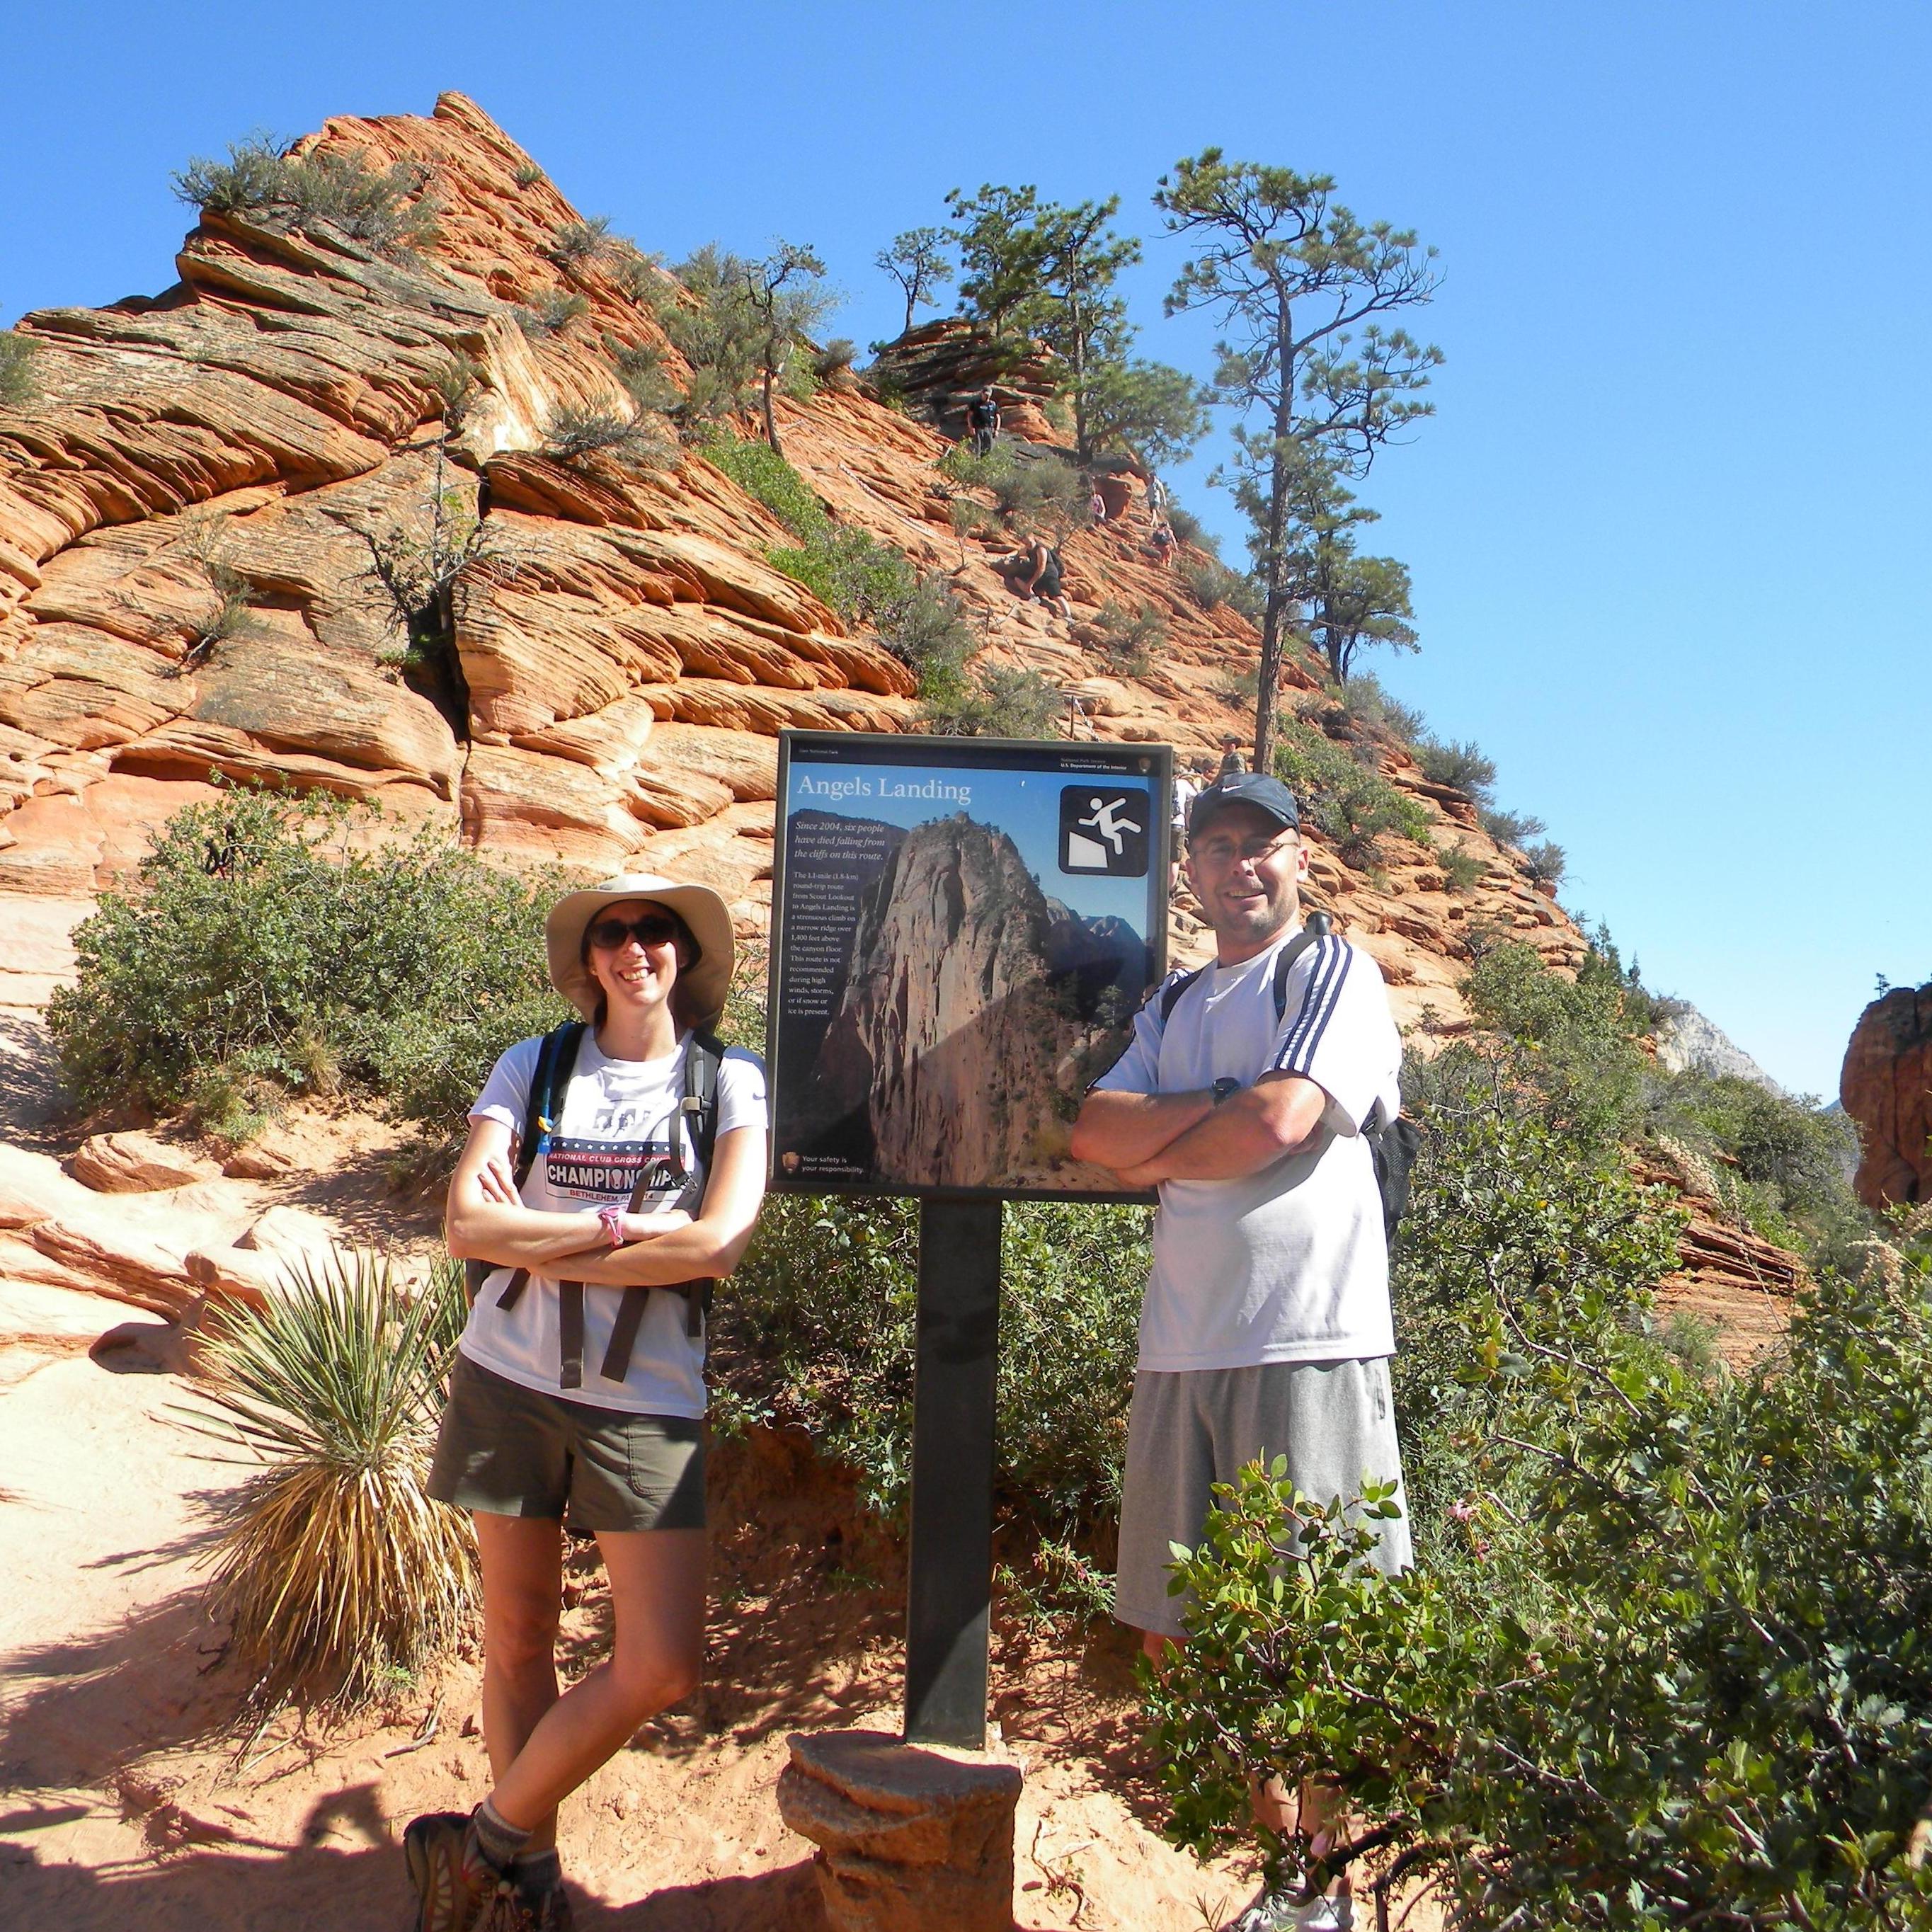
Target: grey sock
x=537 y=1873
x=497 y=1838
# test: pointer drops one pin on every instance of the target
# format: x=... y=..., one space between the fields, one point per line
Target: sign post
x=963 y=930
x=950 y=1591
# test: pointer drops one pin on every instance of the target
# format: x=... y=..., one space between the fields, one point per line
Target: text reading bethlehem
x=974 y=1011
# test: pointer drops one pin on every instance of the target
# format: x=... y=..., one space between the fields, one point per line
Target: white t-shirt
x=617 y=1119
x=1289 y=1264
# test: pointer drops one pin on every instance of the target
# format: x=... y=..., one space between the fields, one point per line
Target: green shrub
x=840 y=1364
x=1368 y=708
x=1780 y=1165
x=1509 y=828
x=706 y=309
x=1131 y=637
x=760 y=471
x=847 y=571
x=1212 y=584
x=1030 y=487
x=573 y=433
x=574 y=243
x=1350 y=803
x=18 y=387
x=997 y=701
x=1462 y=872
x=390 y=211
x=254 y=949
x=836 y=359
x=528 y=174
x=1461 y=767
x=640 y=367
x=639 y=277
x=1187 y=527
x=1662 y=1662
x=1564 y=1051
x=225 y=616
x=927 y=629
x=550 y=311
x=1546 y=862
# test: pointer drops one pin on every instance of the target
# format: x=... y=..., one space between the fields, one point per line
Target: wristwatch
x=1226 y=1085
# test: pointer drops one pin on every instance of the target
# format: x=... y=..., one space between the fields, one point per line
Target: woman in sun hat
x=579 y=1386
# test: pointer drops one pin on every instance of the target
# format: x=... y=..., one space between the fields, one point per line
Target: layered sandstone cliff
x=1886 y=1087
x=629 y=653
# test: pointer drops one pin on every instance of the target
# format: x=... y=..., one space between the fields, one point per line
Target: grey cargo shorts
x=1334 y=1421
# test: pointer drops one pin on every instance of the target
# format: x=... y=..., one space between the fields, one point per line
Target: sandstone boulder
x=910 y=1838
x=135 y=1163
x=1886 y=1087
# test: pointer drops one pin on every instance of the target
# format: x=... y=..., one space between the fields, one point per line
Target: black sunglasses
x=652 y=929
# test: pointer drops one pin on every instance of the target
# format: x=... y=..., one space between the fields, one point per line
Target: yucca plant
x=335 y=1569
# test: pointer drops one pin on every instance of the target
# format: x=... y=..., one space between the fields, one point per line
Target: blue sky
x=1669 y=530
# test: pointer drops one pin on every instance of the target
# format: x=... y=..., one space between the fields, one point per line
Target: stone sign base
x=910 y=1837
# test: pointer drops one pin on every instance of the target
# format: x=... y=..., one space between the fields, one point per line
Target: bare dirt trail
x=122 y=1802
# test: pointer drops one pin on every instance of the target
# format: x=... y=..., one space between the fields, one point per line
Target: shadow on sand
x=212 y=1880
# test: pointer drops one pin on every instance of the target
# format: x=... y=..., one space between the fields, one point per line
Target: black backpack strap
x=698 y=1112
x=1316 y=929
x=1174 y=989
x=550 y=1080
x=569 y=1334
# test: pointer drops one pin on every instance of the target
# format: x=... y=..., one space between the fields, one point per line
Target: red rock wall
x=1886 y=1087
x=629 y=651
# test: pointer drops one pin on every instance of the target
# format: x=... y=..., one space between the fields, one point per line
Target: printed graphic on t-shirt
x=609 y=1167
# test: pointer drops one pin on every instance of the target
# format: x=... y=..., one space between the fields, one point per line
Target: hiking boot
x=547 y=1911
x=1277 y=1912
x=458 y=1888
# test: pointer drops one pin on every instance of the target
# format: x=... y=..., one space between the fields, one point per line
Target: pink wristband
x=612 y=1216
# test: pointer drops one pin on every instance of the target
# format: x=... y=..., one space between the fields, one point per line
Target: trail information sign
x=963 y=931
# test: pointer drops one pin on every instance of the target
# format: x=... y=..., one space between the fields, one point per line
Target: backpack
x=1393 y=1145
x=550 y=1081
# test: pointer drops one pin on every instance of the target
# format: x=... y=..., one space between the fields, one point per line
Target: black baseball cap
x=1255 y=788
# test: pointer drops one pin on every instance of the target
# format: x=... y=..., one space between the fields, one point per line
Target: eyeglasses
x=1249 y=852
x=652 y=929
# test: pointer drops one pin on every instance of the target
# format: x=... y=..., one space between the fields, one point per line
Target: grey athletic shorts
x=1333 y=1420
x=509 y=1450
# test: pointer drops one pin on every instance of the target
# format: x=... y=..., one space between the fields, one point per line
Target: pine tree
x=1302 y=285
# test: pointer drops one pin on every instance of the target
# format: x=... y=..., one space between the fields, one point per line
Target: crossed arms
x=487 y=1222
x=1148 y=1138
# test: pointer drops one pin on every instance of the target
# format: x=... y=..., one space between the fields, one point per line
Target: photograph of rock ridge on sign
x=952 y=980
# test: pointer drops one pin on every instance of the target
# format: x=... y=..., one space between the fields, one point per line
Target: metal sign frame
x=1149 y=764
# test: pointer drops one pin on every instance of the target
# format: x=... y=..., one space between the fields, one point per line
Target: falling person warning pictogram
x=1103 y=831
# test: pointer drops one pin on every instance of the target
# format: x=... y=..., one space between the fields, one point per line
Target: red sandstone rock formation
x=629 y=653
x=1886 y=1087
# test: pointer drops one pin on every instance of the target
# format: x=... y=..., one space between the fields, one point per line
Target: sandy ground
x=127 y=1797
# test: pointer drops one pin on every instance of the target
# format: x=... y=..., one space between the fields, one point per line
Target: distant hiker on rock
x=983 y=422
x=1187 y=789
x=1233 y=765
x=1161 y=544
x=613 y=1171
x=1255 y=1095
x=1097 y=507
x=1037 y=574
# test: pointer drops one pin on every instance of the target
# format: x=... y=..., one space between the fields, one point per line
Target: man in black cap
x=1266 y=1328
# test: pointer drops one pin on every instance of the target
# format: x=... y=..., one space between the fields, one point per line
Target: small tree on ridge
x=1296 y=276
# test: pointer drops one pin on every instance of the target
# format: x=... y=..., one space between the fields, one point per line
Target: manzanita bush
x=1666 y=1657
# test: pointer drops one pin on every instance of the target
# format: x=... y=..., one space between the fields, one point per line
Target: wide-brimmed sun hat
x=706 y=981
